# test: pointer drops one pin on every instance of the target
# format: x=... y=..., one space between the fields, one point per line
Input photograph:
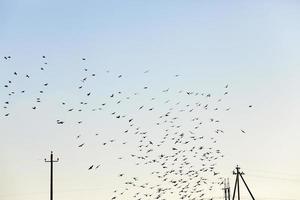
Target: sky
x=252 y=46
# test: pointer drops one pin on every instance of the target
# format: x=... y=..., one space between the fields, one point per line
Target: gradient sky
x=251 y=45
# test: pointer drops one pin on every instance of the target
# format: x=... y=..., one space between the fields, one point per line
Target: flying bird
x=81 y=145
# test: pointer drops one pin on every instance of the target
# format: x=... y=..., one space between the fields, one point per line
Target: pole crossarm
x=52 y=160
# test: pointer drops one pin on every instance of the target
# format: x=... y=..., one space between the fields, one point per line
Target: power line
x=57 y=192
x=275 y=172
x=274 y=178
x=23 y=194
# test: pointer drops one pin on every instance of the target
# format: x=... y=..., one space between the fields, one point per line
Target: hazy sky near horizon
x=251 y=45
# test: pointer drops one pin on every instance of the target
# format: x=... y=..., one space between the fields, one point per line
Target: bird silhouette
x=91 y=167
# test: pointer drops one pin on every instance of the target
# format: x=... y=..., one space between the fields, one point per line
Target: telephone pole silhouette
x=237 y=184
x=226 y=189
x=51 y=161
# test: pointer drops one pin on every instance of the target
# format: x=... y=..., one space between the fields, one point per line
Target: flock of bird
x=181 y=159
x=13 y=94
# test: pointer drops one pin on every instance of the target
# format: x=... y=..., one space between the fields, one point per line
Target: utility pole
x=51 y=173
x=226 y=189
x=237 y=184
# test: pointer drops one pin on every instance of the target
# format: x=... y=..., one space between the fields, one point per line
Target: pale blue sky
x=252 y=45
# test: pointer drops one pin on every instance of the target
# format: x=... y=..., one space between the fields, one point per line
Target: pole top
x=237 y=170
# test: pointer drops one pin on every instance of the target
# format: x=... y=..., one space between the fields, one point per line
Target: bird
x=59 y=121
x=81 y=145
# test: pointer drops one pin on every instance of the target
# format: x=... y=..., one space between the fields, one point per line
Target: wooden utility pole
x=51 y=173
x=237 y=184
x=226 y=189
